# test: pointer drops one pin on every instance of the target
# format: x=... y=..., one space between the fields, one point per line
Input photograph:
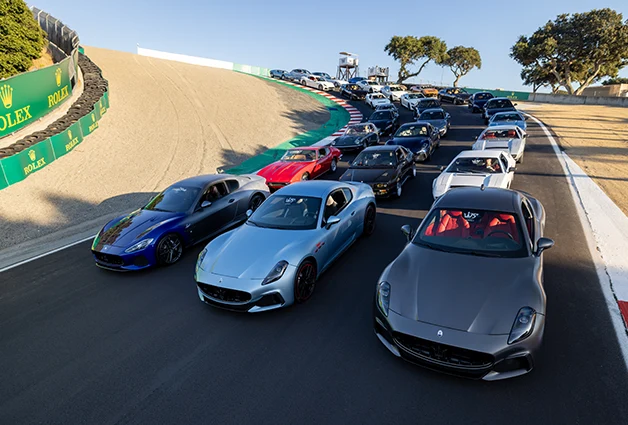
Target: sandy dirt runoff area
x=167 y=121
x=596 y=138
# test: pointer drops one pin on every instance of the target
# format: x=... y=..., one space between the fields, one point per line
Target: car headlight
x=383 y=297
x=380 y=185
x=201 y=257
x=140 y=245
x=276 y=272
x=523 y=326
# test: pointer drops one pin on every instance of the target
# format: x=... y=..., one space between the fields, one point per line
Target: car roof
x=500 y=98
x=428 y=99
x=502 y=127
x=384 y=148
x=485 y=153
x=316 y=188
x=202 y=180
x=489 y=198
x=408 y=124
x=433 y=110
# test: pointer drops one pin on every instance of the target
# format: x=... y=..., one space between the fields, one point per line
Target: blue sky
x=309 y=34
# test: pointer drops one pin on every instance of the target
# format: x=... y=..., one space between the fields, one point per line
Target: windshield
x=475 y=166
x=499 y=103
x=499 y=134
x=175 y=199
x=395 y=88
x=372 y=83
x=299 y=155
x=414 y=96
x=377 y=96
x=353 y=87
x=412 y=131
x=380 y=115
x=287 y=212
x=375 y=159
x=507 y=117
x=428 y=104
x=432 y=115
x=472 y=232
x=483 y=96
x=386 y=107
x=358 y=129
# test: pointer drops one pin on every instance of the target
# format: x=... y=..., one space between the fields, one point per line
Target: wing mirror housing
x=442 y=168
x=475 y=137
x=331 y=221
x=514 y=104
x=407 y=230
x=512 y=169
x=249 y=213
x=542 y=244
x=205 y=204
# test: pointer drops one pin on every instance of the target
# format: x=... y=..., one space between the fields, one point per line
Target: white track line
x=37 y=257
x=606 y=275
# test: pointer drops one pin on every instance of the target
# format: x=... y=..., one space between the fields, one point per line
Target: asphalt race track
x=83 y=345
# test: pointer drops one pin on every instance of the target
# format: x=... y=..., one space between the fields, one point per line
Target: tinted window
x=299 y=155
x=381 y=115
x=432 y=115
x=233 y=185
x=287 y=212
x=482 y=96
x=499 y=134
x=412 y=131
x=174 y=199
x=474 y=232
x=475 y=165
x=334 y=204
x=358 y=129
x=508 y=117
x=375 y=159
x=499 y=103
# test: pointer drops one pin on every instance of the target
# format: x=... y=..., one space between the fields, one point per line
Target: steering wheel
x=503 y=232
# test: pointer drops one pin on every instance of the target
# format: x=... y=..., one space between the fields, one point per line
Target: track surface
x=81 y=345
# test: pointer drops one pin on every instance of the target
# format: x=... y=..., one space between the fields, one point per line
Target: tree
x=409 y=50
x=579 y=48
x=461 y=60
x=617 y=80
x=21 y=38
x=539 y=77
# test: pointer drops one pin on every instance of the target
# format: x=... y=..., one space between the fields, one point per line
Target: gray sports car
x=275 y=258
x=465 y=296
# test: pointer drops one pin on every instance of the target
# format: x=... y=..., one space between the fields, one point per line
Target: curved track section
x=167 y=121
x=81 y=345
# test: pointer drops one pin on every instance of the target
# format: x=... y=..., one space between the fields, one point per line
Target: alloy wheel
x=169 y=250
x=305 y=282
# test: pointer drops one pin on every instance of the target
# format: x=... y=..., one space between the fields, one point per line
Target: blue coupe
x=184 y=214
x=275 y=258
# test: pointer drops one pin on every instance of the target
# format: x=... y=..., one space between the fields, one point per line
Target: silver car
x=275 y=258
x=465 y=296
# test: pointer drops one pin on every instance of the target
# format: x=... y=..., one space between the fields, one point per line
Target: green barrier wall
x=339 y=117
x=17 y=167
x=28 y=97
x=514 y=95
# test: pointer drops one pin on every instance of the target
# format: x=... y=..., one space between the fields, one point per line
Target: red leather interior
x=452 y=224
x=503 y=223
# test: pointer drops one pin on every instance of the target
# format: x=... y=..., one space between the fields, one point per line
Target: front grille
x=225 y=294
x=108 y=258
x=443 y=355
x=276 y=186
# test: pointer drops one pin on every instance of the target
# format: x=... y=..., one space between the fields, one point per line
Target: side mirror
x=205 y=204
x=406 y=229
x=442 y=168
x=448 y=116
x=512 y=169
x=475 y=137
x=514 y=104
x=249 y=213
x=542 y=244
x=331 y=221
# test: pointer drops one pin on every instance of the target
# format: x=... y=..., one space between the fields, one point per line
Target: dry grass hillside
x=167 y=121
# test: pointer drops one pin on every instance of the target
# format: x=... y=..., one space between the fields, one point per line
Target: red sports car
x=300 y=164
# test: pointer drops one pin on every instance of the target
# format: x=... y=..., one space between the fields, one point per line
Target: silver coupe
x=275 y=258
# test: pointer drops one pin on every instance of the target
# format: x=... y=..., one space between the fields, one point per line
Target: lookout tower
x=378 y=74
x=347 y=66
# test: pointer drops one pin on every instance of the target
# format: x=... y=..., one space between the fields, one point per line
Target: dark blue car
x=420 y=138
x=186 y=213
x=478 y=100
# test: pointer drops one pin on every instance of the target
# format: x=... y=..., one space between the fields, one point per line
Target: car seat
x=452 y=224
x=503 y=223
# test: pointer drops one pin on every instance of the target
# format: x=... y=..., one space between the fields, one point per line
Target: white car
x=510 y=138
x=336 y=82
x=409 y=100
x=491 y=168
x=370 y=86
x=374 y=99
x=316 y=82
x=394 y=92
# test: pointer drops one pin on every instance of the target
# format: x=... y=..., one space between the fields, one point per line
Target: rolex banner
x=29 y=96
x=64 y=142
x=19 y=166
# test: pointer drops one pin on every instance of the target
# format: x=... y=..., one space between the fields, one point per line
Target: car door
x=241 y=198
x=211 y=219
x=505 y=165
x=338 y=236
x=323 y=161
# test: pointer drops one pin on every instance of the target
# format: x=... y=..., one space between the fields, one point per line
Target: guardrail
x=566 y=99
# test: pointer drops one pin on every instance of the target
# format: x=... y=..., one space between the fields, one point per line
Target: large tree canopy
x=538 y=77
x=579 y=48
x=461 y=60
x=617 y=80
x=21 y=38
x=409 y=50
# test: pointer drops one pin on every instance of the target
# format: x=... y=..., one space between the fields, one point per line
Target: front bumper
x=476 y=356
x=349 y=148
x=275 y=186
x=114 y=258
x=245 y=295
x=385 y=191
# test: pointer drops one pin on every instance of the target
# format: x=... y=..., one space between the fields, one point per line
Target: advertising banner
x=29 y=96
x=21 y=165
x=88 y=123
x=3 y=179
x=64 y=142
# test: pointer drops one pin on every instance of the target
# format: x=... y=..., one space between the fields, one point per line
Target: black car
x=454 y=95
x=495 y=105
x=278 y=73
x=424 y=104
x=357 y=137
x=478 y=100
x=385 y=121
x=352 y=92
x=420 y=138
x=387 y=107
x=385 y=168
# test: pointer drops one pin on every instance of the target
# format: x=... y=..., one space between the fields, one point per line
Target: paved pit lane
x=83 y=345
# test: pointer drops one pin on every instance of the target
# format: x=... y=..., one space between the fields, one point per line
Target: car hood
x=412 y=143
x=480 y=295
x=437 y=123
x=369 y=175
x=250 y=252
x=463 y=95
x=283 y=171
x=381 y=123
x=129 y=229
x=347 y=141
x=380 y=101
x=446 y=180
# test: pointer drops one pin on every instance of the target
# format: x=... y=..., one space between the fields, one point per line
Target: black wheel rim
x=369 y=221
x=306 y=277
x=170 y=250
x=256 y=202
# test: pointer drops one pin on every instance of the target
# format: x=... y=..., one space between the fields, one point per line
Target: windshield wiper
x=430 y=246
x=481 y=254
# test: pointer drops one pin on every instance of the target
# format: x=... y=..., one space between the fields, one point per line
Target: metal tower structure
x=347 y=66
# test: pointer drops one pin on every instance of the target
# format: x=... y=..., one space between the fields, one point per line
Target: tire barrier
x=33 y=152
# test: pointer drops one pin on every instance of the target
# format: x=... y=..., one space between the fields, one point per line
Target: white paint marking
x=592 y=205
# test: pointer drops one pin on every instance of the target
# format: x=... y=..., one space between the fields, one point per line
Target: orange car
x=426 y=89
